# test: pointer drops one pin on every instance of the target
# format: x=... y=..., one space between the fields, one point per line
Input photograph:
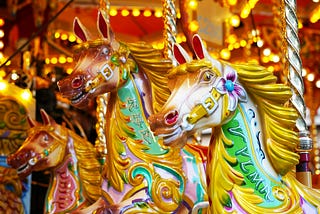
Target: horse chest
x=64 y=192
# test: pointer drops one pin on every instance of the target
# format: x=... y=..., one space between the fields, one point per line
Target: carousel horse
x=75 y=170
x=251 y=153
x=141 y=175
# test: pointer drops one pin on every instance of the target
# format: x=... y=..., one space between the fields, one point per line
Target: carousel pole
x=170 y=27
x=102 y=103
x=293 y=71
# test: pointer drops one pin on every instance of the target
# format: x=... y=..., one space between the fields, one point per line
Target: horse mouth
x=26 y=168
x=173 y=136
x=78 y=98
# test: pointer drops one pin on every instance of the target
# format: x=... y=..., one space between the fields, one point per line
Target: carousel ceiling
x=142 y=20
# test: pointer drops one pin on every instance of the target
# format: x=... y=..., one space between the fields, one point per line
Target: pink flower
x=228 y=85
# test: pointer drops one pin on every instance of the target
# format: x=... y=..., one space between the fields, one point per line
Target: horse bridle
x=207 y=106
x=60 y=137
x=119 y=59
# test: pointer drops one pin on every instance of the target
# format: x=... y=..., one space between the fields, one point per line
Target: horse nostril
x=76 y=82
x=171 y=118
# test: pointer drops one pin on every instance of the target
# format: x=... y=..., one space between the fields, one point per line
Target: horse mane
x=280 y=137
x=156 y=67
x=89 y=166
x=280 y=134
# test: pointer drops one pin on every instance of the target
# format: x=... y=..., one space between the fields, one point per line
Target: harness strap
x=207 y=106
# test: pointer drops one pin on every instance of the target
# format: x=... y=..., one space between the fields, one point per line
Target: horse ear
x=46 y=119
x=79 y=30
x=103 y=27
x=198 y=47
x=31 y=122
x=180 y=55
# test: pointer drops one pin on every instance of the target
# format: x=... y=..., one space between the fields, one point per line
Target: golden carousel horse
x=252 y=151
x=75 y=171
x=141 y=174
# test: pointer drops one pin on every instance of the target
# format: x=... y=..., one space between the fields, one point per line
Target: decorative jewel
x=227 y=85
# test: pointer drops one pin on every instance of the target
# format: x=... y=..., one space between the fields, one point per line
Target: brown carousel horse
x=252 y=153
x=141 y=174
x=75 y=171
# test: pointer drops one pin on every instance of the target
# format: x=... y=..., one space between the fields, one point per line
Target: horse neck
x=237 y=153
x=129 y=138
x=65 y=189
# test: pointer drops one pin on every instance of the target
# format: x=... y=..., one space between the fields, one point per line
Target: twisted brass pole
x=293 y=69
x=170 y=28
x=102 y=103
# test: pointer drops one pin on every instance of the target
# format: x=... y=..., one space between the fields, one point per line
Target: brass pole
x=293 y=69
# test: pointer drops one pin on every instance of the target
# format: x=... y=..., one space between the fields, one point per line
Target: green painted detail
x=145 y=173
x=70 y=166
x=23 y=121
x=114 y=60
x=2 y=124
x=136 y=69
x=173 y=172
x=254 y=178
x=46 y=152
x=138 y=122
x=124 y=74
x=227 y=201
x=22 y=110
x=201 y=192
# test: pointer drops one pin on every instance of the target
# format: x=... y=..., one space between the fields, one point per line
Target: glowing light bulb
x=193 y=26
x=56 y=35
x=3 y=86
x=64 y=36
x=234 y=21
x=1 y=22
x=135 y=12
x=125 y=12
x=304 y=72
x=54 y=60
x=1 y=33
x=113 y=12
x=310 y=77
x=193 y=4
x=158 y=13
x=26 y=95
x=147 y=13
x=266 y=52
x=72 y=38
x=225 y=54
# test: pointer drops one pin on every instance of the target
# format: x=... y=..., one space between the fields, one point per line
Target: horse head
x=42 y=149
x=102 y=65
x=197 y=97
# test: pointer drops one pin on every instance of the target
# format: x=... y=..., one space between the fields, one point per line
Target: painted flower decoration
x=228 y=85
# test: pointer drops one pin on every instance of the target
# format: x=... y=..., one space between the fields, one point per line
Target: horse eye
x=105 y=51
x=207 y=76
x=45 y=138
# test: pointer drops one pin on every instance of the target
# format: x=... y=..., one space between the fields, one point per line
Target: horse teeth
x=23 y=168
x=77 y=98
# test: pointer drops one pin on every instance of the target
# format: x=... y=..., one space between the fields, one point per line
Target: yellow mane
x=280 y=133
x=89 y=166
x=156 y=67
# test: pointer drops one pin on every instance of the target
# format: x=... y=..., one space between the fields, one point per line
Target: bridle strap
x=60 y=139
x=207 y=106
